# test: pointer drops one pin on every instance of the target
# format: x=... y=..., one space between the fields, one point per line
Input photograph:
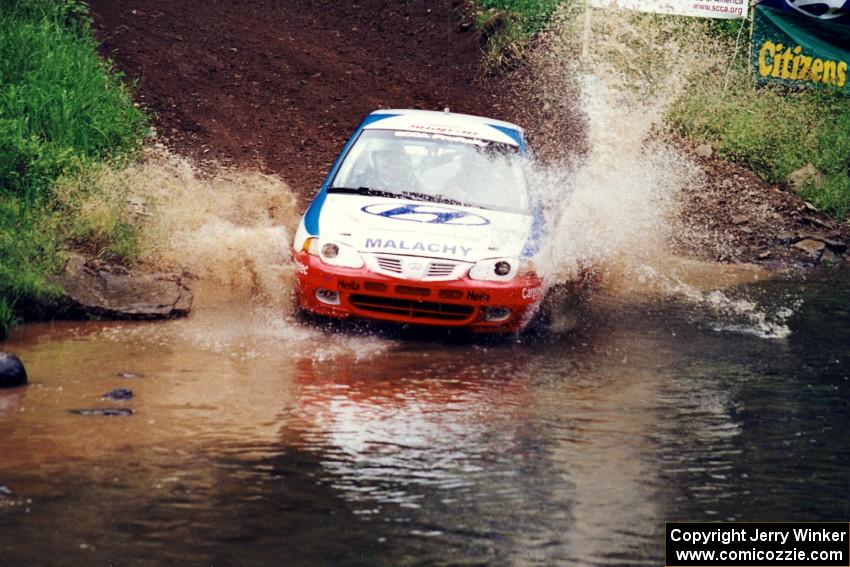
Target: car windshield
x=435 y=167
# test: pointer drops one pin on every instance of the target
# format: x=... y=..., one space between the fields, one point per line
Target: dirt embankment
x=280 y=85
x=734 y=216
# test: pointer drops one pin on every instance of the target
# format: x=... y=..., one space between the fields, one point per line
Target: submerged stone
x=103 y=412
x=119 y=394
x=12 y=371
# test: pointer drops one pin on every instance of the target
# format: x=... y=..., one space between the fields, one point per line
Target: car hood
x=417 y=228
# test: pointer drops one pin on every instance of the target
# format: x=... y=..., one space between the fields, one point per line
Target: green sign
x=800 y=50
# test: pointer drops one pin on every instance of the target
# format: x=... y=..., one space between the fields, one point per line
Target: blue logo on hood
x=431 y=214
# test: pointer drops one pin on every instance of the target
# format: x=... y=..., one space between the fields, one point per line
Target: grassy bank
x=773 y=131
x=692 y=66
x=509 y=25
x=63 y=115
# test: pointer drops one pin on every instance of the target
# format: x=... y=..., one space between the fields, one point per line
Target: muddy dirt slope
x=281 y=84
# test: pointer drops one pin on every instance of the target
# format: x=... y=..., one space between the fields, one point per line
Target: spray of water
x=230 y=229
x=613 y=204
x=612 y=207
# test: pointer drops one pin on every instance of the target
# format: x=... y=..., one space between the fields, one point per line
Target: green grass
x=63 y=112
x=509 y=25
x=774 y=130
x=532 y=15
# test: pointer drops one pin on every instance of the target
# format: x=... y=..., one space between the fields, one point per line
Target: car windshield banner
x=725 y=9
x=798 y=49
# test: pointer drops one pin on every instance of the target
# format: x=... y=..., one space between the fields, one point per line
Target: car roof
x=450 y=123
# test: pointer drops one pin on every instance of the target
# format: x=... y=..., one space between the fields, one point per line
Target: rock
x=830 y=257
x=818 y=222
x=98 y=288
x=12 y=371
x=811 y=247
x=806 y=175
x=785 y=237
x=833 y=244
x=119 y=394
x=104 y=412
x=740 y=219
x=704 y=150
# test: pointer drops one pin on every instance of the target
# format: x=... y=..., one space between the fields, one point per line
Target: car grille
x=440 y=269
x=444 y=270
x=410 y=308
x=389 y=264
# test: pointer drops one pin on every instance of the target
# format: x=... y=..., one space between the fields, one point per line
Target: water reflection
x=542 y=452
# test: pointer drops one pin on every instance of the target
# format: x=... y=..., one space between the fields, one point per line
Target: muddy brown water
x=258 y=440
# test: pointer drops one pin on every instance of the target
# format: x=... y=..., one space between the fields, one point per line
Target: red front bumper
x=457 y=303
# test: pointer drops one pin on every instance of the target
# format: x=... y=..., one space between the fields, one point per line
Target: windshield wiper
x=401 y=195
x=433 y=198
x=362 y=191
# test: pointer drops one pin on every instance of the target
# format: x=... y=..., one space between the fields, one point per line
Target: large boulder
x=12 y=372
x=97 y=288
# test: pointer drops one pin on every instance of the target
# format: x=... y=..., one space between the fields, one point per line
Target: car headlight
x=495 y=269
x=334 y=253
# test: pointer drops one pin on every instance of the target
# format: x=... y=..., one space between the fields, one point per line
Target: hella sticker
x=431 y=214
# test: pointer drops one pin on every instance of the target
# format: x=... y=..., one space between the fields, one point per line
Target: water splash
x=229 y=228
x=613 y=205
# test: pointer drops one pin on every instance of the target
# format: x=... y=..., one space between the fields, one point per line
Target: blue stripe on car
x=311 y=217
x=532 y=245
x=514 y=134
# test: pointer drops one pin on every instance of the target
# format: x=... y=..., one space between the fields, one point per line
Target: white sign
x=725 y=9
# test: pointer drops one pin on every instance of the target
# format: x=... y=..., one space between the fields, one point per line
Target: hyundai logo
x=431 y=214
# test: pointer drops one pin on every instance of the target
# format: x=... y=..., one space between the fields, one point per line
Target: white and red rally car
x=425 y=218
